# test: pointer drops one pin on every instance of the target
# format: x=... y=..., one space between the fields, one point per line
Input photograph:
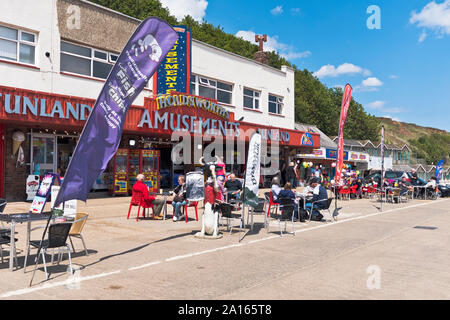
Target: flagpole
x=382 y=166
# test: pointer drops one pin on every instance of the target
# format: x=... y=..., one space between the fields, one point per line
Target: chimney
x=261 y=56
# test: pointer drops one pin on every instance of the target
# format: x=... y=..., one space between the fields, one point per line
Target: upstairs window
x=86 y=61
x=17 y=45
x=251 y=99
x=275 y=104
x=213 y=89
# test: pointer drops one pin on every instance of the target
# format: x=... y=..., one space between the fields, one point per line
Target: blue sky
x=401 y=70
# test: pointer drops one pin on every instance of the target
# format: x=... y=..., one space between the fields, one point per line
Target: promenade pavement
x=366 y=254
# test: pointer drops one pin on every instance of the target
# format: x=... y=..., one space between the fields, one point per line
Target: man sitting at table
x=234 y=188
x=405 y=186
x=141 y=187
x=319 y=193
x=414 y=177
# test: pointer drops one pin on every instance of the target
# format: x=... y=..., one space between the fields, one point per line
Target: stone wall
x=98 y=27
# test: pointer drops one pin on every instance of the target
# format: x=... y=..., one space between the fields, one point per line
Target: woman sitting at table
x=141 y=187
x=287 y=193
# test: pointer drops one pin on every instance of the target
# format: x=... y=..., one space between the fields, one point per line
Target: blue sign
x=307 y=139
x=438 y=173
x=174 y=72
x=332 y=154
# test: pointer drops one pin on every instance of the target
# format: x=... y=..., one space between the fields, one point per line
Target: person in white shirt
x=276 y=189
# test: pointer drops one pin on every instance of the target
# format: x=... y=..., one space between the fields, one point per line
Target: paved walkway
x=367 y=254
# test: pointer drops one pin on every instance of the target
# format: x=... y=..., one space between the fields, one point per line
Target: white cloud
x=277 y=10
x=380 y=105
x=345 y=68
x=434 y=16
x=180 y=8
x=393 y=76
x=372 y=82
x=376 y=105
x=423 y=36
x=272 y=44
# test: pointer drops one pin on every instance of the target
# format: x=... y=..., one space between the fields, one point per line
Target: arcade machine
x=150 y=168
x=118 y=168
x=133 y=167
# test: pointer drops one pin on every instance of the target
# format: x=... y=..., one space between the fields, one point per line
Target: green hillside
x=427 y=143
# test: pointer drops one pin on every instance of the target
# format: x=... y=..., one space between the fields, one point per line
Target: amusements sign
x=39 y=201
x=174 y=73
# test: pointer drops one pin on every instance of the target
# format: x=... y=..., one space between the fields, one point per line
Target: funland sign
x=166 y=114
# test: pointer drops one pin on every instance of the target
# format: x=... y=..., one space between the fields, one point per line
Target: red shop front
x=51 y=124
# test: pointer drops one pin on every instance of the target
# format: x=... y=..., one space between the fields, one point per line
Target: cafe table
x=164 y=194
x=15 y=218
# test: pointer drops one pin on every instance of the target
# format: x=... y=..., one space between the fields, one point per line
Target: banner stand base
x=207 y=236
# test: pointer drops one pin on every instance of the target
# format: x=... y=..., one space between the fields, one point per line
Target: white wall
x=218 y=64
x=41 y=17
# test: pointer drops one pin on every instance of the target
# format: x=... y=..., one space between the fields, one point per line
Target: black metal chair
x=287 y=207
x=5 y=233
x=226 y=212
x=57 y=237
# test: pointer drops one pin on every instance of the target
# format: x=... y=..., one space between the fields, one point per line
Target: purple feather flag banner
x=102 y=131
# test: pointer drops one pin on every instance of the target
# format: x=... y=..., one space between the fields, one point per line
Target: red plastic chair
x=271 y=203
x=344 y=192
x=137 y=200
x=191 y=204
x=353 y=190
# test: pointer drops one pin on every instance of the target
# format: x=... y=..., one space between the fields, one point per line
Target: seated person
x=276 y=189
x=430 y=186
x=287 y=193
x=405 y=186
x=141 y=187
x=233 y=187
x=319 y=193
x=386 y=183
x=179 y=200
x=414 y=177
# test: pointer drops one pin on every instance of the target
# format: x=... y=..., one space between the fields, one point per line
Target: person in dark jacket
x=290 y=175
x=319 y=193
x=233 y=187
x=179 y=200
x=287 y=193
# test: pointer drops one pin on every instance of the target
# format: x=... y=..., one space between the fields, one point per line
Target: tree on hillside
x=432 y=148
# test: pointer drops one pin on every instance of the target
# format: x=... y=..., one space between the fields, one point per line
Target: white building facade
x=60 y=52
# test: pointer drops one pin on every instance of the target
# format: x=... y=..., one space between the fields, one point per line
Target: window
x=251 y=99
x=275 y=104
x=17 y=45
x=86 y=61
x=212 y=89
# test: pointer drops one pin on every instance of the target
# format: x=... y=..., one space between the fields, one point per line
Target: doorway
x=43 y=154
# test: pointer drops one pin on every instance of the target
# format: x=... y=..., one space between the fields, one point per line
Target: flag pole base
x=199 y=235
